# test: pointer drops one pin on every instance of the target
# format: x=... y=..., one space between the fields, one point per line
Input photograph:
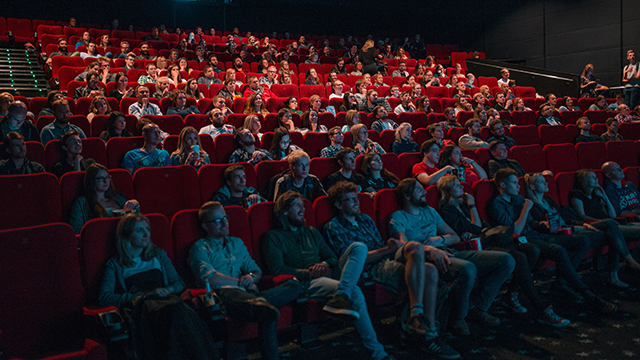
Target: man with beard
x=17 y=163
x=91 y=89
x=144 y=52
x=124 y=50
x=213 y=61
x=237 y=64
x=60 y=125
x=218 y=125
x=471 y=140
x=247 y=151
x=62 y=50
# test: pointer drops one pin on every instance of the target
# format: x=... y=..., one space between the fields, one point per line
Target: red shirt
x=421 y=167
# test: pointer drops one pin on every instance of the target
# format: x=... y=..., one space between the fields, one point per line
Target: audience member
x=426 y=171
x=148 y=155
x=612 y=131
x=450 y=119
x=502 y=104
x=163 y=88
x=72 y=159
x=252 y=122
x=99 y=106
x=622 y=194
x=347 y=160
x=382 y=122
x=122 y=88
x=361 y=143
x=116 y=127
x=152 y=75
x=466 y=169
x=589 y=85
x=256 y=105
x=471 y=140
x=546 y=116
x=60 y=124
x=189 y=151
x=499 y=152
x=504 y=77
x=625 y=116
x=336 y=137
x=310 y=123
x=376 y=175
x=600 y=104
x=235 y=191
x=209 y=77
x=281 y=144
x=16 y=121
x=180 y=107
x=568 y=105
x=17 y=163
x=247 y=151
x=403 y=142
x=143 y=106
x=91 y=89
x=497 y=130
x=299 y=179
x=584 y=125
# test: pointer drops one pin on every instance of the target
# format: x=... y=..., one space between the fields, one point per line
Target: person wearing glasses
x=271 y=78
x=100 y=199
x=337 y=87
x=336 y=136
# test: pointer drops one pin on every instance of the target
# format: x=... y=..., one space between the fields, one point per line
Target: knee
x=468 y=272
x=358 y=249
x=509 y=263
x=413 y=250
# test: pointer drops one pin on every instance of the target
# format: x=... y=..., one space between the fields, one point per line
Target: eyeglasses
x=217 y=221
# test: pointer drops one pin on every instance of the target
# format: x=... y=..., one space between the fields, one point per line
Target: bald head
x=612 y=171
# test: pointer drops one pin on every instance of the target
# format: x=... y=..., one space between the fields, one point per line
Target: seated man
x=255 y=87
x=623 y=194
x=504 y=77
x=406 y=105
x=625 y=116
x=152 y=75
x=163 y=88
x=218 y=125
x=510 y=208
x=153 y=36
x=209 y=77
x=500 y=152
x=299 y=180
x=17 y=163
x=124 y=50
x=299 y=250
x=224 y=263
x=378 y=80
x=91 y=89
x=426 y=171
x=143 y=106
x=236 y=191
x=92 y=51
x=105 y=68
x=16 y=120
x=347 y=159
x=552 y=100
x=418 y=222
x=402 y=69
x=429 y=80
x=382 y=122
x=497 y=129
x=584 y=125
x=502 y=104
x=144 y=52
x=271 y=78
x=546 y=116
x=213 y=61
x=247 y=150
x=370 y=101
x=130 y=62
x=336 y=137
x=149 y=155
x=62 y=50
x=471 y=140
x=60 y=125
x=201 y=54
x=398 y=266
x=72 y=160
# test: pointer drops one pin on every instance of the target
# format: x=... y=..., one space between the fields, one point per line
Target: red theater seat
x=20 y=194
x=167 y=190
x=561 y=157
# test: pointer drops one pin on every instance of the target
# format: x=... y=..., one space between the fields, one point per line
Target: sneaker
x=417 y=324
x=483 y=317
x=548 y=317
x=510 y=301
x=602 y=306
x=437 y=347
x=341 y=305
x=260 y=310
x=459 y=327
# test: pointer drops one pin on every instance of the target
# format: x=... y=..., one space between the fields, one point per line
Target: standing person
x=631 y=81
x=142 y=274
x=589 y=86
x=367 y=56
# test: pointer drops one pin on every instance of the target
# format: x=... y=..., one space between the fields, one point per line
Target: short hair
x=229 y=171
x=206 y=68
x=337 y=191
x=283 y=203
x=11 y=136
x=124 y=42
x=147 y=127
x=427 y=145
x=67 y=136
x=149 y=64
x=90 y=74
x=143 y=43
x=494 y=144
x=52 y=94
x=610 y=121
x=250 y=78
x=580 y=119
x=61 y=102
x=502 y=175
x=543 y=105
x=432 y=128
x=207 y=208
x=296 y=156
x=469 y=124
x=402 y=62
x=334 y=130
x=175 y=93
x=342 y=153
x=405 y=189
x=376 y=109
x=141 y=86
x=493 y=123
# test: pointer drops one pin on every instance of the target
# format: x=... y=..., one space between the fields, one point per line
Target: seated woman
x=351 y=118
x=116 y=127
x=121 y=90
x=313 y=58
x=486 y=91
x=292 y=105
x=403 y=142
x=377 y=176
x=357 y=69
x=424 y=105
x=462 y=105
x=518 y=105
x=284 y=67
x=193 y=90
x=467 y=170
x=189 y=150
x=416 y=91
x=349 y=102
x=141 y=277
x=103 y=43
x=263 y=65
x=180 y=107
x=255 y=105
x=173 y=73
x=183 y=64
x=161 y=63
x=72 y=160
x=547 y=213
x=458 y=210
x=315 y=104
x=430 y=61
x=100 y=198
x=312 y=78
x=567 y=105
x=436 y=131
x=409 y=81
x=229 y=90
x=481 y=114
x=252 y=122
x=337 y=87
x=589 y=86
x=284 y=120
x=452 y=83
x=418 y=70
x=286 y=79
x=600 y=104
x=281 y=144
x=340 y=69
x=450 y=119
x=310 y=122
x=439 y=71
x=400 y=54
x=493 y=114
x=361 y=143
x=589 y=200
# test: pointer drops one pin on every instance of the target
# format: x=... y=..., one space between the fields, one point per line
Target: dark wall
x=566 y=35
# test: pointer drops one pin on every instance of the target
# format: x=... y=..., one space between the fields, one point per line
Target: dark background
x=558 y=35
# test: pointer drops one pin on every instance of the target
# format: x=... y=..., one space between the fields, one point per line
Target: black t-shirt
x=337 y=177
x=582 y=138
x=593 y=206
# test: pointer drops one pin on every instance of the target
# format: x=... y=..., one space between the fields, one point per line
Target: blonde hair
x=368 y=44
x=295 y=156
x=530 y=179
x=93 y=107
x=348 y=118
x=445 y=184
x=401 y=129
x=355 y=133
x=126 y=226
x=183 y=148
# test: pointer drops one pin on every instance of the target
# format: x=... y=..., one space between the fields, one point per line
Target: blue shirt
x=208 y=256
x=137 y=158
x=55 y=131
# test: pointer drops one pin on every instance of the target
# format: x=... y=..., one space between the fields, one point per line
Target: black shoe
x=437 y=347
x=341 y=305
x=261 y=311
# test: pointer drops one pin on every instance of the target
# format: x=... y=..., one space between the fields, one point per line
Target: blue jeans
x=492 y=268
x=351 y=265
x=267 y=331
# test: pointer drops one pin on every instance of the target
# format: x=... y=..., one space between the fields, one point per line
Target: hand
x=128 y=92
x=144 y=101
x=130 y=205
x=439 y=258
x=528 y=204
x=320 y=270
x=245 y=281
x=411 y=106
x=545 y=224
x=159 y=291
x=257 y=156
x=253 y=199
x=450 y=169
x=468 y=198
x=193 y=156
x=599 y=191
x=509 y=103
x=466 y=160
x=393 y=245
x=165 y=92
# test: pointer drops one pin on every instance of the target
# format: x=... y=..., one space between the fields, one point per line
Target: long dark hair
x=94 y=208
x=445 y=156
x=386 y=174
x=275 y=150
x=111 y=125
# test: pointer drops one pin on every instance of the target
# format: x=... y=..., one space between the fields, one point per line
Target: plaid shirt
x=242 y=155
x=329 y=151
x=340 y=233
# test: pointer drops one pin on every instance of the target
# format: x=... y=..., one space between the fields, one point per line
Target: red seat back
x=118 y=147
x=625 y=153
x=553 y=134
x=524 y=118
x=172 y=124
x=265 y=170
x=20 y=193
x=225 y=146
x=591 y=155
x=530 y=157
x=484 y=191
x=525 y=134
x=167 y=190
x=385 y=203
x=561 y=158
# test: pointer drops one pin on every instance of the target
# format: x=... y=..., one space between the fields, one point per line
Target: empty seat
x=167 y=190
x=417 y=120
x=530 y=157
x=314 y=142
x=525 y=134
x=570 y=117
x=591 y=155
x=625 y=153
x=172 y=124
x=598 y=117
x=265 y=170
x=29 y=200
x=323 y=167
x=553 y=134
x=561 y=158
x=524 y=118
x=564 y=184
x=285 y=91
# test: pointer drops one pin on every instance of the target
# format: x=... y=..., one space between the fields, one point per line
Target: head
x=612 y=125
x=359 y=134
x=372 y=97
x=410 y=192
x=309 y=119
x=450 y=114
x=430 y=151
x=403 y=132
x=17 y=114
x=436 y=131
x=535 y=185
x=347 y=159
x=100 y=105
x=352 y=118
x=631 y=56
x=504 y=73
x=290 y=208
x=61 y=111
x=546 y=110
x=586 y=181
x=299 y=164
x=380 y=113
x=130 y=60
x=473 y=127
x=252 y=122
x=142 y=92
x=584 y=124
x=612 y=171
x=214 y=220
x=450 y=155
x=551 y=99
x=501 y=99
x=506 y=181
x=117 y=121
x=235 y=178
x=187 y=139
x=498 y=149
x=134 y=235
x=344 y=197
x=151 y=134
x=315 y=102
x=336 y=136
x=450 y=188
x=14 y=145
x=244 y=137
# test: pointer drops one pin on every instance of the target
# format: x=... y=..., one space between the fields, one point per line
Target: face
x=17 y=150
x=153 y=136
x=450 y=115
x=152 y=70
x=74 y=145
x=456 y=157
x=143 y=92
x=194 y=86
x=181 y=100
x=254 y=84
x=613 y=128
x=349 y=162
x=585 y=124
x=102 y=181
x=547 y=111
x=93 y=82
x=356 y=119
x=602 y=103
x=438 y=133
x=500 y=152
x=373 y=98
x=62 y=46
x=216 y=117
x=121 y=123
x=475 y=129
x=200 y=52
x=461 y=86
x=313 y=117
x=457 y=190
x=500 y=98
x=144 y=48
x=131 y=61
x=553 y=100
x=367 y=79
x=540 y=186
x=337 y=137
x=313 y=73
x=301 y=168
x=255 y=126
x=102 y=107
x=141 y=236
x=482 y=115
x=498 y=130
x=510 y=185
x=247 y=138
x=463 y=102
x=363 y=136
x=434 y=154
x=615 y=172
x=592 y=180
x=505 y=74
x=569 y=102
x=295 y=213
x=122 y=82
x=18 y=117
x=216 y=223
x=350 y=204
x=258 y=101
x=631 y=57
x=183 y=64
x=62 y=113
x=284 y=142
x=417 y=90
x=418 y=197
